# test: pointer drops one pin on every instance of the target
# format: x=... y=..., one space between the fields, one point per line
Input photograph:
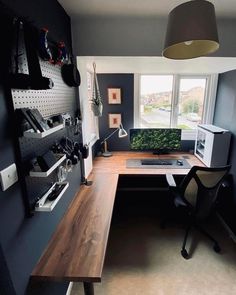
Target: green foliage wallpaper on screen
x=155 y=139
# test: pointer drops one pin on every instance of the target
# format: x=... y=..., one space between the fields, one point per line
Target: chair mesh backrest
x=200 y=188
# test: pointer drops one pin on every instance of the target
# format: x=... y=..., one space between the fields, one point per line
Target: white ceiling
x=224 y=8
x=162 y=65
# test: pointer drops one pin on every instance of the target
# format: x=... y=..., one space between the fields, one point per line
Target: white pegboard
x=59 y=99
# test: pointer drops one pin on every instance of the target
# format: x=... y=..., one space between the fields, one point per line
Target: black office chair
x=197 y=194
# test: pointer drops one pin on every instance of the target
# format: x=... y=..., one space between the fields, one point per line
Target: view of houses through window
x=171 y=101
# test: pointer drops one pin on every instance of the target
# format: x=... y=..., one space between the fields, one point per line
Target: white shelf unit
x=49 y=205
x=212 y=145
x=38 y=173
x=32 y=134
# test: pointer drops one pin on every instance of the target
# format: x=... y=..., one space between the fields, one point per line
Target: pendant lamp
x=191 y=31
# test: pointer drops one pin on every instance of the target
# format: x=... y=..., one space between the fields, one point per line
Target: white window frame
x=208 y=107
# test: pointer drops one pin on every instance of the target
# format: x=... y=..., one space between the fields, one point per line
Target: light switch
x=8 y=176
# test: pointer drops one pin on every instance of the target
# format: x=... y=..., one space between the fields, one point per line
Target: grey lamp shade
x=191 y=31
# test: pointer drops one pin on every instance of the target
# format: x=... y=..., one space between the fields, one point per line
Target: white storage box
x=212 y=145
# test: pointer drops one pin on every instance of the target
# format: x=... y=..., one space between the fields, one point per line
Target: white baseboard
x=69 y=288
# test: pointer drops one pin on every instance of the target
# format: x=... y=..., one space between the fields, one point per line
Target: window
x=191 y=102
x=178 y=101
x=155 y=100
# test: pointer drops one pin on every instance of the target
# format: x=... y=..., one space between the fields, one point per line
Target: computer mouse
x=180 y=162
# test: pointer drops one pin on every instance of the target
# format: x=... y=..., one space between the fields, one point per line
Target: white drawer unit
x=212 y=145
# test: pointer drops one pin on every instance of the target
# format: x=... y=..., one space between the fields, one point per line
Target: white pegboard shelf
x=38 y=173
x=31 y=134
x=47 y=206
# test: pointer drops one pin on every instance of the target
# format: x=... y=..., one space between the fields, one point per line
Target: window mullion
x=175 y=102
x=137 y=100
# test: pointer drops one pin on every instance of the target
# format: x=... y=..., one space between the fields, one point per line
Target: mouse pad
x=158 y=163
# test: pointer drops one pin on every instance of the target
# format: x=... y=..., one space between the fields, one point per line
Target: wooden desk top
x=117 y=163
x=77 y=249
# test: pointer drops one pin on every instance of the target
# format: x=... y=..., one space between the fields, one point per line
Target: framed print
x=114 y=120
x=114 y=95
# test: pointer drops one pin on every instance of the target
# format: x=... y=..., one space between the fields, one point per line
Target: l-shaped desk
x=76 y=251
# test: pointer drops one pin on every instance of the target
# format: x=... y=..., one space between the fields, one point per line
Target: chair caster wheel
x=216 y=248
x=184 y=253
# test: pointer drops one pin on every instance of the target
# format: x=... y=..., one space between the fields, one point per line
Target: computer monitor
x=157 y=140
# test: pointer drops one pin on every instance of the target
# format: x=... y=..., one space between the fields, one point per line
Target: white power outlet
x=8 y=176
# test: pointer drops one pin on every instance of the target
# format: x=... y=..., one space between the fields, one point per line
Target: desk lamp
x=121 y=133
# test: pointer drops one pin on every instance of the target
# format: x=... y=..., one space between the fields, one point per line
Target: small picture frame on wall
x=114 y=95
x=114 y=120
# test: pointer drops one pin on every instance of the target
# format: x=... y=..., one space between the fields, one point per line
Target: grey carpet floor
x=143 y=259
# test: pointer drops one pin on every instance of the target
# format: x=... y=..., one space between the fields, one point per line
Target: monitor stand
x=160 y=152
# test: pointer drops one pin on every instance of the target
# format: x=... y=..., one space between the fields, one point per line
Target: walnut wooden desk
x=76 y=251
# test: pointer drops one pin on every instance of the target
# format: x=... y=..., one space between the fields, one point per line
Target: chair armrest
x=178 y=199
x=170 y=180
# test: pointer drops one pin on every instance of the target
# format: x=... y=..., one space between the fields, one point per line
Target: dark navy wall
x=225 y=112
x=49 y=14
x=126 y=108
x=187 y=145
x=136 y=35
x=6 y=286
x=22 y=239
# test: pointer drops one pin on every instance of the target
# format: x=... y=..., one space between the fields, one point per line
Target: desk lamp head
x=122 y=133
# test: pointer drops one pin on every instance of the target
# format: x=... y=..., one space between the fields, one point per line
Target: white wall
x=84 y=106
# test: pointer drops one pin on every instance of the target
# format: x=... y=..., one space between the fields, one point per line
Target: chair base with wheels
x=197 y=196
x=185 y=253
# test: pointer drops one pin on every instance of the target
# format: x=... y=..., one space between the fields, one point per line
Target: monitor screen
x=155 y=139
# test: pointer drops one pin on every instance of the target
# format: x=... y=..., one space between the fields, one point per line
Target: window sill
x=188 y=135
